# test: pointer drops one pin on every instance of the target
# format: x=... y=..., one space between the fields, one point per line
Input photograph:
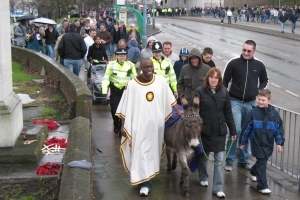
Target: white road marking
x=278 y=86
x=292 y=93
x=284 y=54
x=219 y=57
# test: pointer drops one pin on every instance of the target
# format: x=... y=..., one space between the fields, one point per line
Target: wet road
x=280 y=55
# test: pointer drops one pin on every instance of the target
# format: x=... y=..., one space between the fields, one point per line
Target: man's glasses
x=246 y=50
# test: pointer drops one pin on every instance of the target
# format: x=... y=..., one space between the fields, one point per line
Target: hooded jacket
x=263 y=126
x=133 y=52
x=147 y=53
x=191 y=77
x=246 y=78
x=180 y=63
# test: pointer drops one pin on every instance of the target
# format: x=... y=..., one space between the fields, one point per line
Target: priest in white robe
x=144 y=107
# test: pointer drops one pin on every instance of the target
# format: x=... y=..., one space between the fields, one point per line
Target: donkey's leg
x=169 y=159
x=185 y=171
x=174 y=161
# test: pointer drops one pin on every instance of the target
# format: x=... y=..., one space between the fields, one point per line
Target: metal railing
x=288 y=161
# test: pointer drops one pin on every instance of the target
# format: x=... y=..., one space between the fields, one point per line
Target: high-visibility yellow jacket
x=118 y=74
x=169 y=10
x=165 y=69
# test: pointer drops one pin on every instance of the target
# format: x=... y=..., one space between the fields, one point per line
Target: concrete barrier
x=76 y=182
x=76 y=93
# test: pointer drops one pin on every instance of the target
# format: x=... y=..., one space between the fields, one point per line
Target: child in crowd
x=183 y=60
x=263 y=125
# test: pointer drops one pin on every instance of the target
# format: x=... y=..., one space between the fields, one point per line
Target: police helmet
x=156 y=46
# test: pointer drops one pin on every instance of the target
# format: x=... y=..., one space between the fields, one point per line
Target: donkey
x=182 y=139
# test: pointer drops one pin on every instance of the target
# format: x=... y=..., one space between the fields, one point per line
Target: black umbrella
x=26 y=17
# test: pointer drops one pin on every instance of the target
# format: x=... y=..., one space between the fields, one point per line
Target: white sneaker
x=228 y=168
x=254 y=178
x=144 y=191
x=265 y=191
x=204 y=183
x=220 y=194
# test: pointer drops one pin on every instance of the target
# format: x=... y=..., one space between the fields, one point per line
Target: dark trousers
x=259 y=170
x=115 y=97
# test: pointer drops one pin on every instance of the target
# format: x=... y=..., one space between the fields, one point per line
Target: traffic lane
x=224 y=52
x=222 y=55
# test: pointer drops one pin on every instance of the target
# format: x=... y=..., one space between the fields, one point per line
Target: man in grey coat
x=192 y=75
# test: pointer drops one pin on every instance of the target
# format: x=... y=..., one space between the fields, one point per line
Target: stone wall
x=76 y=93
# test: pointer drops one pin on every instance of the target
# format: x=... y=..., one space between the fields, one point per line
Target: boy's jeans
x=218 y=171
x=282 y=26
x=259 y=170
x=240 y=111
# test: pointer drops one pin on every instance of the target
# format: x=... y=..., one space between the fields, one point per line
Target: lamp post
x=153 y=14
x=144 y=38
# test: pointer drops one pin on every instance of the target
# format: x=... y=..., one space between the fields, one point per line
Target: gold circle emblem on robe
x=149 y=96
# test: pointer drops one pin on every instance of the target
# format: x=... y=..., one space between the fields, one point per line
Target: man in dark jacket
x=192 y=75
x=247 y=76
x=51 y=36
x=283 y=18
x=72 y=49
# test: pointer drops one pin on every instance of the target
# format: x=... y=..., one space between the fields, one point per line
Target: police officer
x=163 y=66
x=118 y=73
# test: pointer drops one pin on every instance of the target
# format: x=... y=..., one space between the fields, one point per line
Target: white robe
x=145 y=107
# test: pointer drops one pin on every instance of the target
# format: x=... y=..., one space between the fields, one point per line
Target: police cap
x=121 y=51
x=156 y=46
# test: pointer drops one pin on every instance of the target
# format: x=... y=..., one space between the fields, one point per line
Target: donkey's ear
x=196 y=101
x=184 y=102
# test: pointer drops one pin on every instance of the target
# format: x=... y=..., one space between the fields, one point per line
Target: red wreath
x=50 y=123
x=61 y=142
x=48 y=169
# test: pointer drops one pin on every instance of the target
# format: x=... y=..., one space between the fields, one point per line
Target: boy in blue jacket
x=263 y=125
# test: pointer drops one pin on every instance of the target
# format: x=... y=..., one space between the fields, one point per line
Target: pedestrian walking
x=246 y=76
x=51 y=36
x=183 y=60
x=229 y=15
x=283 y=18
x=117 y=75
x=293 y=19
x=72 y=49
x=207 y=55
x=216 y=116
x=20 y=33
x=192 y=75
x=163 y=66
x=264 y=126
x=142 y=143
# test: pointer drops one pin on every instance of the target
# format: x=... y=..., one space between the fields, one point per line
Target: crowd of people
x=150 y=81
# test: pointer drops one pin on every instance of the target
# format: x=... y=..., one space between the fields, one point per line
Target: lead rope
x=212 y=162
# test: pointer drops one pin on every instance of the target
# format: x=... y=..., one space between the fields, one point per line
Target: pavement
x=111 y=181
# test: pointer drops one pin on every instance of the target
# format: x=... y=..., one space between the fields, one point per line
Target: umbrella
x=26 y=17
x=44 y=21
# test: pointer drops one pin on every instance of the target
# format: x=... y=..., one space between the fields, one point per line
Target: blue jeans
x=259 y=170
x=240 y=111
x=293 y=26
x=147 y=184
x=282 y=26
x=73 y=65
x=50 y=49
x=218 y=175
x=108 y=51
